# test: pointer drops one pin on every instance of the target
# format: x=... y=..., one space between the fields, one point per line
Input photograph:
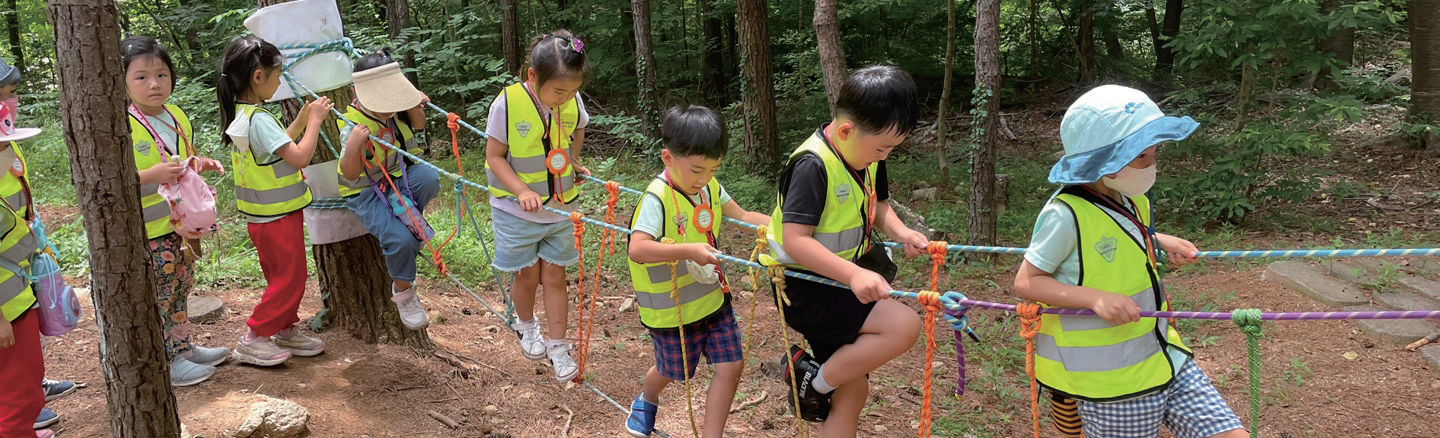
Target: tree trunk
x=1034 y=39
x=1085 y=38
x=357 y=282
x=732 y=51
x=1425 y=73
x=627 y=15
x=510 y=37
x=712 y=75
x=1340 y=44
x=649 y=101
x=1113 y=49
x=562 y=21
x=832 y=54
x=762 y=134
x=12 y=22
x=941 y=122
x=1164 y=56
x=92 y=106
x=397 y=18
x=192 y=33
x=982 y=163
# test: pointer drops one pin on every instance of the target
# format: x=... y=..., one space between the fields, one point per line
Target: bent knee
x=898 y=320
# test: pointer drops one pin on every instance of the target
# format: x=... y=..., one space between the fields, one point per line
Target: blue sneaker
x=49 y=417
x=642 y=418
x=57 y=388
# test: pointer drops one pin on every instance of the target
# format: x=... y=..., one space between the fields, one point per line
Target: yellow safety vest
x=265 y=189
x=16 y=246
x=155 y=211
x=1091 y=359
x=848 y=205
x=529 y=155
x=653 y=280
x=12 y=189
x=382 y=157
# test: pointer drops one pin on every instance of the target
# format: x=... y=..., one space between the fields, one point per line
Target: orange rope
x=453 y=122
x=588 y=329
x=578 y=220
x=931 y=300
x=414 y=219
x=1029 y=327
x=608 y=241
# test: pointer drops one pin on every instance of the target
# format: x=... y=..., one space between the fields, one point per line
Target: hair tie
x=577 y=45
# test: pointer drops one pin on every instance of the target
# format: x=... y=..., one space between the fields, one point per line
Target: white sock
x=819 y=382
x=552 y=343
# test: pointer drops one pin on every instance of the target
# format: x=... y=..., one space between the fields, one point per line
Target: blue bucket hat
x=8 y=73
x=1107 y=128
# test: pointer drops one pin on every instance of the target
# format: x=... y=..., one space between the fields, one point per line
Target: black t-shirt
x=804 y=183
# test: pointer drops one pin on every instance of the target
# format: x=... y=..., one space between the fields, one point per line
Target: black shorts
x=828 y=316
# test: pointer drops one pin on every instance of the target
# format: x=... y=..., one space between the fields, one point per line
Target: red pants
x=281 y=247
x=22 y=367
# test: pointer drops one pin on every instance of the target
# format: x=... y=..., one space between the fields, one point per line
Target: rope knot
x=1249 y=321
x=1029 y=319
x=931 y=300
x=452 y=121
x=938 y=250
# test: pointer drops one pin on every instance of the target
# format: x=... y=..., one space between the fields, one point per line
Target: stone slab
x=1400 y=299
x=1310 y=281
x=1399 y=332
x=1350 y=272
x=1425 y=287
x=1432 y=354
x=204 y=310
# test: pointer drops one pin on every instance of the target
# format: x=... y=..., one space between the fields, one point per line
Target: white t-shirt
x=497 y=127
x=163 y=126
x=649 y=217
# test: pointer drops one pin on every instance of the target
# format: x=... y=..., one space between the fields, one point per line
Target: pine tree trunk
x=12 y=22
x=1164 y=56
x=354 y=284
x=1340 y=44
x=397 y=18
x=832 y=54
x=941 y=122
x=649 y=101
x=762 y=134
x=982 y=163
x=1085 y=37
x=1425 y=60
x=732 y=51
x=92 y=106
x=712 y=75
x=510 y=37
x=627 y=15
x=1113 y=49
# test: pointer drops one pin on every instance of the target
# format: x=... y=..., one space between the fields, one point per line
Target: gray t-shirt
x=497 y=127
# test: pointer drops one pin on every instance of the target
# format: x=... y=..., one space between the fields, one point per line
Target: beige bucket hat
x=384 y=89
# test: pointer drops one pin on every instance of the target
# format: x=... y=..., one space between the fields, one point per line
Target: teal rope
x=1249 y=322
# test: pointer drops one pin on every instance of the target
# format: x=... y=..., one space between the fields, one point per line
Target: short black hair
x=692 y=130
x=878 y=99
x=373 y=59
x=137 y=47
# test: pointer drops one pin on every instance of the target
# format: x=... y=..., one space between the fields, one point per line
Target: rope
x=577 y=220
x=1029 y=327
x=460 y=164
x=958 y=301
x=760 y=243
x=684 y=352
x=931 y=300
x=1249 y=321
x=777 y=277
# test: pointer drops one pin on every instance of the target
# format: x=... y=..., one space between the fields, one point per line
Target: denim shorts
x=520 y=243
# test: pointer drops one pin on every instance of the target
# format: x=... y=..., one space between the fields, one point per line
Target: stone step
x=1427 y=288
x=1432 y=355
x=1393 y=331
x=1308 y=280
x=1403 y=299
x=205 y=309
x=1351 y=272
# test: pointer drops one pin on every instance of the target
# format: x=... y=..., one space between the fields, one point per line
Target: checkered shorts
x=717 y=336
x=1190 y=408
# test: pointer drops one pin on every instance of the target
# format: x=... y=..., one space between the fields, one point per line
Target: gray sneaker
x=565 y=367
x=260 y=350
x=412 y=313
x=208 y=355
x=185 y=373
x=297 y=343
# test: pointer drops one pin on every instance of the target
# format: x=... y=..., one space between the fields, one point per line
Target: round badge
x=557 y=161
x=704 y=218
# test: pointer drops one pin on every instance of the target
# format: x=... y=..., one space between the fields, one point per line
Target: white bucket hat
x=1108 y=127
x=384 y=89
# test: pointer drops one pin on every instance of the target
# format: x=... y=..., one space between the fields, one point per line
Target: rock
x=490 y=409
x=1402 y=300
x=1351 y=272
x=274 y=418
x=205 y=309
x=1307 y=280
x=1393 y=331
x=880 y=429
x=1425 y=287
x=927 y=193
x=1432 y=355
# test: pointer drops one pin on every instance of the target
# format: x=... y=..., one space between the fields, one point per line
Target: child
x=833 y=193
x=383 y=97
x=536 y=128
x=695 y=143
x=1093 y=247
x=271 y=192
x=162 y=139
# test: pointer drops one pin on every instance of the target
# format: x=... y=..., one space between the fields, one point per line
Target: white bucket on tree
x=305 y=22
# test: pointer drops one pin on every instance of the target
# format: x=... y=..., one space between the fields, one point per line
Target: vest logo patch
x=1106 y=247
x=680 y=220
x=842 y=192
x=143 y=147
x=523 y=128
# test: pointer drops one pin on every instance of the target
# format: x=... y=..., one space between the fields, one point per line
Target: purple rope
x=1274 y=316
x=959 y=352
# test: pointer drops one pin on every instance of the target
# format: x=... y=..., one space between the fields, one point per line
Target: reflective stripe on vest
x=156 y=212
x=265 y=190
x=653 y=282
x=527 y=151
x=1088 y=358
x=842 y=223
x=17 y=245
x=382 y=158
x=11 y=188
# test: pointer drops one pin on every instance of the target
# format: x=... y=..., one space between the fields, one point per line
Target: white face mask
x=1132 y=182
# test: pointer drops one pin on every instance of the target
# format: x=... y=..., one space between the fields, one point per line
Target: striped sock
x=1067 y=416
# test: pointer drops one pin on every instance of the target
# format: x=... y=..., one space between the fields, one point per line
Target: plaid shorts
x=717 y=336
x=1190 y=408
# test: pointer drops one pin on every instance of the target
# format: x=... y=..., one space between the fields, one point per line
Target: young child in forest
x=387 y=106
x=536 y=129
x=162 y=139
x=1093 y=247
x=695 y=143
x=271 y=192
x=833 y=194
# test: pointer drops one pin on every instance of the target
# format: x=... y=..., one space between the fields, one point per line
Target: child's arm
x=162 y=172
x=578 y=141
x=495 y=155
x=297 y=126
x=801 y=245
x=1181 y=251
x=645 y=249
x=915 y=242
x=352 y=162
x=298 y=155
x=734 y=211
x=417 y=114
x=1034 y=284
x=7 y=334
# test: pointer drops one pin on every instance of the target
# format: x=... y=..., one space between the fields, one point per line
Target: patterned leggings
x=173 y=281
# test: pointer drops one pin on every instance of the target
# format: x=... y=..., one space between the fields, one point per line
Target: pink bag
x=192 y=203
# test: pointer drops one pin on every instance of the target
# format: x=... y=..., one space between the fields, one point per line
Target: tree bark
x=832 y=54
x=397 y=18
x=510 y=37
x=649 y=100
x=982 y=163
x=1085 y=38
x=1340 y=44
x=1113 y=49
x=1164 y=56
x=1425 y=59
x=356 y=282
x=713 y=74
x=12 y=22
x=192 y=33
x=627 y=15
x=732 y=49
x=1034 y=39
x=762 y=136
x=941 y=122
x=92 y=106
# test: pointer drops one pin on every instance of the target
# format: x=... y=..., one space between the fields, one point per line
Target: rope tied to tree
x=1029 y=328
x=1250 y=321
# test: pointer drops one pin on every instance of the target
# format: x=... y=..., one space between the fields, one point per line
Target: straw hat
x=384 y=89
x=1107 y=128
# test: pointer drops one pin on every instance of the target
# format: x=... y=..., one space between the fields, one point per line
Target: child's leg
x=845 y=405
x=557 y=300
x=654 y=383
x=721 y=396
x=22 y=368
x=1194 y=408
x=397 y=243
x=889 y=331
x=281 y=247
x=424 y=184
x=523 y=289
x=172 y=290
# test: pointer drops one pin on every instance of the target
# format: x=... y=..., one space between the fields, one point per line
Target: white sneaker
x=532 y=344
x=565 y=367
x=412 y=313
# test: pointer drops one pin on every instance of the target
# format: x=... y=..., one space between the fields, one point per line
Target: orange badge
x=557 y=161
x=704 y=218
